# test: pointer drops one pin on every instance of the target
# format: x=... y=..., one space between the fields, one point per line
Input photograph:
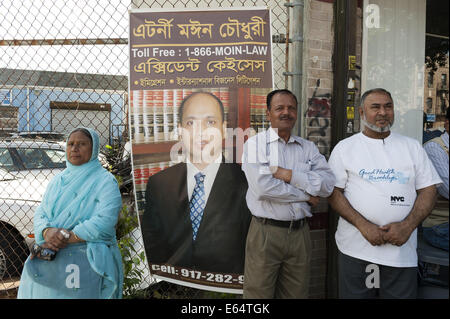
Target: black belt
x=292 y=224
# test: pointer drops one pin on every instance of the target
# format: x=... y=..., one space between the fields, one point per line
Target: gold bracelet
x=44 y=231
x=76 y=237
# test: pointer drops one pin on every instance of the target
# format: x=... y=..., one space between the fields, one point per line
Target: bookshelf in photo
x=258 y=107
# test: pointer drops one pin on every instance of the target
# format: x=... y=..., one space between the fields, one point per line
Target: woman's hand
x=55 y=239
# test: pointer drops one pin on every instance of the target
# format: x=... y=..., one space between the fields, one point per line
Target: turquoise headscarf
x=86 y=200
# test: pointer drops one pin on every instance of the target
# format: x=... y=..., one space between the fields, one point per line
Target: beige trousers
x=277 y=262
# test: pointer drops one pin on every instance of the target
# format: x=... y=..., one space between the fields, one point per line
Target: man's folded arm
x=316 y=180
x=266 y=187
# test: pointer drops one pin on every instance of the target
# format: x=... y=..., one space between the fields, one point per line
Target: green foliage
x=126 y=223
x=131 y=258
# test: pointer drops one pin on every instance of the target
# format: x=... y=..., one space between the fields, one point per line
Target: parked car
x=26 y=167
x=43 y=135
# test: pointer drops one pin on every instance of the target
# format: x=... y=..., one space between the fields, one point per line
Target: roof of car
x=29 y=143
x=41 y=133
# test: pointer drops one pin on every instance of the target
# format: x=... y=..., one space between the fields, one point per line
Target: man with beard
x=385 y=187
x=286 y=175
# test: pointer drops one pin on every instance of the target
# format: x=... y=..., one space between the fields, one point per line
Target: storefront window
x=393 y=58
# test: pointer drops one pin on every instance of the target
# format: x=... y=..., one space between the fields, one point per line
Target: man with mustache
x=385 y=187
x=286 y=175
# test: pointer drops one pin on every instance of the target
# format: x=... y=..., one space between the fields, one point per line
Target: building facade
x=41 y=101
x=436 y=96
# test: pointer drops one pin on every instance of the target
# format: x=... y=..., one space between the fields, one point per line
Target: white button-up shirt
x=439 y=158
x=273 y=198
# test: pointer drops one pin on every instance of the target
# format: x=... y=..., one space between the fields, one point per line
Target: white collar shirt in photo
x=273 y=198
x=210 y=173
x=380 y=178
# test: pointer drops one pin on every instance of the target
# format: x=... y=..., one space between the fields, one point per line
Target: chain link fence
x=64 y=64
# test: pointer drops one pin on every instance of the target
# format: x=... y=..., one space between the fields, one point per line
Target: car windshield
x=37 y=158
x=6 y=161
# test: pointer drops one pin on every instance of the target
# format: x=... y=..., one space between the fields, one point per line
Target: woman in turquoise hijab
x=77 y=219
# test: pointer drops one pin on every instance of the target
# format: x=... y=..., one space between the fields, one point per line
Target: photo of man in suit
x=196 y=214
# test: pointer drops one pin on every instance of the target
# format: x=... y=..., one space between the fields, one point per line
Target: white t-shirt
x=380 y=178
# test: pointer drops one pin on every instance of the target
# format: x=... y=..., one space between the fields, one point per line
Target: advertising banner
x=198 y=80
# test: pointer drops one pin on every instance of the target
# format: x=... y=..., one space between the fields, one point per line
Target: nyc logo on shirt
x=399 y=201
x=379 y=175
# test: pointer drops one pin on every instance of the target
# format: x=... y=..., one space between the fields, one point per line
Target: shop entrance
x=436 y=64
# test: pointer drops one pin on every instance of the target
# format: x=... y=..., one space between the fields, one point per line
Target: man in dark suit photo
x=196 y=214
